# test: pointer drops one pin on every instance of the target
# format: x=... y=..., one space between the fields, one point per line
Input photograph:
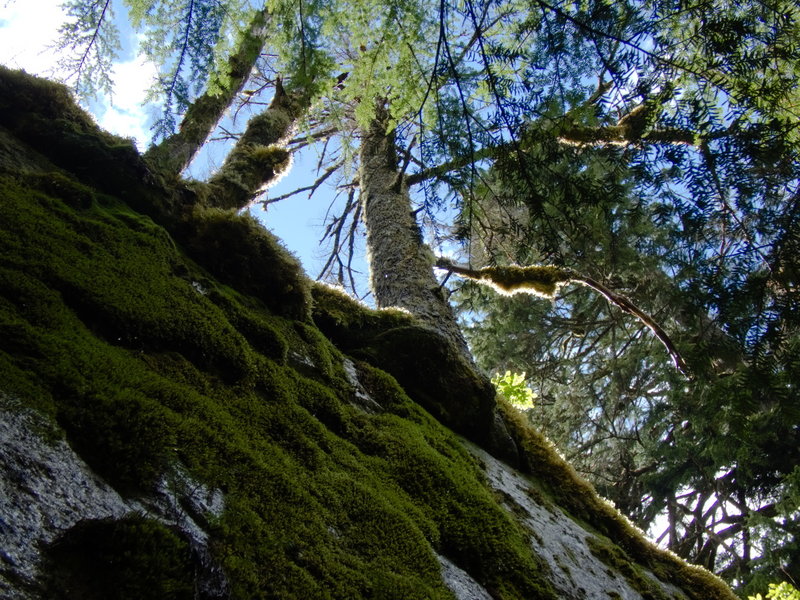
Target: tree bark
x=260 y=156
x=174 y=154
x=401 y=264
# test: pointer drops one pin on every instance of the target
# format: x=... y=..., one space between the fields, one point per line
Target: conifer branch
x=621 y=133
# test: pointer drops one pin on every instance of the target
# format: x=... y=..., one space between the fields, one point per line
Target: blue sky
x=29 y=27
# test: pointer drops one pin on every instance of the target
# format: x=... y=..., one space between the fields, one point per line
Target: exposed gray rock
x=46 y=489
x=463 y=586
x=361 y=398
x=577 y=574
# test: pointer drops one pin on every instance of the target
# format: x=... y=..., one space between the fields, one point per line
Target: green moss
x=247 y=168
x=542 y=281
x=238 y=251
x=142 y=369
x=21 y=92
x=63 y=187
x=439 y=379
x=46 y=118
x=348 y=322
x=120 y=560
x=147 y=360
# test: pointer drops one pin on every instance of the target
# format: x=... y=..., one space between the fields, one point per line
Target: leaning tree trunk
x=401 y=272
x=401 y=264
x=175 y=153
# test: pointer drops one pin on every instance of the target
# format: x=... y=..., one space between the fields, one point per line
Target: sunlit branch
x=545 y=281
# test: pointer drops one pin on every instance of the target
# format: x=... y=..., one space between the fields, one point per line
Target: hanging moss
x=542 y=281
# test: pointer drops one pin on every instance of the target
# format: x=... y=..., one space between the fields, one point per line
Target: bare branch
x=310 y=188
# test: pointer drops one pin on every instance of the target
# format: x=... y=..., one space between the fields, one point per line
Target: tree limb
x=260 y=156
x=545 y=282
x=175 y=153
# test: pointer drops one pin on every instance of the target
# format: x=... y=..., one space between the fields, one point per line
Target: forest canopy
x=651 y=147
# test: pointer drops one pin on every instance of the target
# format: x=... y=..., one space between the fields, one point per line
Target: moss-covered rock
x=120 y=560
x=431 y=371
x=162 y=338
x=238 y=251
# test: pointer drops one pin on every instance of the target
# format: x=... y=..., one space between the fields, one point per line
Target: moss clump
x=61 y=186
x=265 y=334
x=541 y=281
x=246 y=170
x=348 y=322
x=120 y=560
x=238 y=251
x=438 y=379
x=45 y=116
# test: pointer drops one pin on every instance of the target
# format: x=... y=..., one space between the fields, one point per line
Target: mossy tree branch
x=260 y=156
x=628 y=130
x=545 y=281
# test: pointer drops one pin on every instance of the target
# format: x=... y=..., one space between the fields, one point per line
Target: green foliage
x=513 y=389
x=779 y=591
x=673 y=190
x=184 y=38
x=88 y=44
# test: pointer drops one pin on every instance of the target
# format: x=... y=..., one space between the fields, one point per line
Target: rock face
x=184 y=415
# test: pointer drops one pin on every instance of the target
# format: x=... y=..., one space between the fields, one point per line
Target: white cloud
x=28 y=29
x=126 y=115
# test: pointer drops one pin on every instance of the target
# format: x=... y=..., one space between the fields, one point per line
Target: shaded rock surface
x=47 y=491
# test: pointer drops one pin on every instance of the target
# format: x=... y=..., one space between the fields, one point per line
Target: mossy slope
x=146 y=360
x=156 y=333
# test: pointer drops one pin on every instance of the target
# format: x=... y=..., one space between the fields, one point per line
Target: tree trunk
x=401 y=273
x=174 y=154
x=401 y=264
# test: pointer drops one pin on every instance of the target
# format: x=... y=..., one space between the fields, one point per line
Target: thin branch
x=629 y=307
x=92 y=41
x=310 y=188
